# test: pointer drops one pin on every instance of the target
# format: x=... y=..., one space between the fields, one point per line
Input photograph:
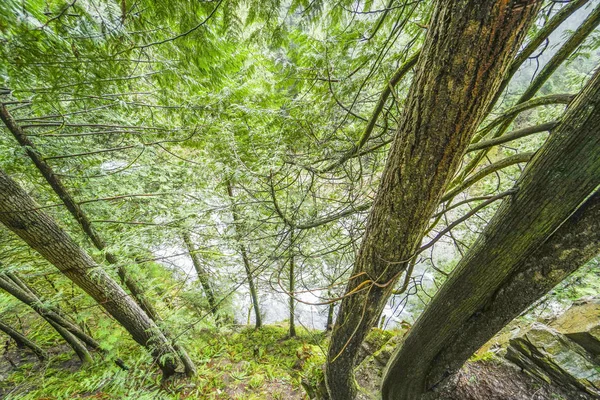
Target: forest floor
x=238 y=364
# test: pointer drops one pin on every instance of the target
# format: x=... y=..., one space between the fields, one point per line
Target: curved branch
x=490 y=169
x=512 y=136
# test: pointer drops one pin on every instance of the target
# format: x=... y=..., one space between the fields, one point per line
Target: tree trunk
x=469 y=46
x=292 y=288
x=578 y=37
x=22 y=340
x=571 y=246
x=246 y=261
x=561 y=176
x=20 y=214
x=45 y=312
x=86 y=225
x=330 y=313
x=201 y=272
x=540 y=37
x=77 y=346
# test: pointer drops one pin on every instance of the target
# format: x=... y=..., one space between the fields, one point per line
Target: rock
x=374 y=341
x=581 y=323
x=549 y=355
x=370 y=372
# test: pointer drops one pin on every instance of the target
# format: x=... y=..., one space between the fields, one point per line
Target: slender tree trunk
x=561 y=176
x=245 y=259
x=48 y=313
x=22 y=340
x=86 y=225
x=468 y=48
x=330 y=313
x=20 y=214
x=201 y=272
x=253 y=293
x=292 y=288
x=77 y=346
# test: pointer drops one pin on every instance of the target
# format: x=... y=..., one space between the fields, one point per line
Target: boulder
x=553 y=357
x=581 y=323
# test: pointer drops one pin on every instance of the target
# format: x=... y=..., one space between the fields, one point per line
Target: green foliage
x=254 y=364
x=145 y=112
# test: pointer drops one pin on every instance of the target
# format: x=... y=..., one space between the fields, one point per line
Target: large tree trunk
x=561 y=176
x=201 y=272
x=22 y=340
x=571 y=246
x=86 y=225
x=245 y=259
x=468 y=48
x=578 y=37
x=20 y=214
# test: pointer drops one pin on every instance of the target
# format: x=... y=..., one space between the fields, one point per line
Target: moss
x=486 y=356
x=378 y=337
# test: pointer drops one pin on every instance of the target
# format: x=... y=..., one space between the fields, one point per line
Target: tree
x=244 y=253
x=81 y=217
x=202 y=273
x=20 y=214
x=550 y=190
x=468 y=47
x=292 y=286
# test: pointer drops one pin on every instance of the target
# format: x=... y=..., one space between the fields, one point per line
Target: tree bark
x=201 y=272
x=468 y=48
x=576 y=242
x=541 y=36
x=22 y=340
x=245 y=260
x=550 y=190
x=20 y=214
x=578 y=37
x=86 y=225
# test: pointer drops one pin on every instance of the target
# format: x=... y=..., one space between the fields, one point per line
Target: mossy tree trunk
x=468 y=48
x=20 y=214
x=571 y=246
x=558 y=180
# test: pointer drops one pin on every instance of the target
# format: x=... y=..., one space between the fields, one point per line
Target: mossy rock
x=553 y=357
x=581 y=323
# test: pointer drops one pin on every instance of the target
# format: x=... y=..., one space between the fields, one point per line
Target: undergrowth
x=232 y=364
